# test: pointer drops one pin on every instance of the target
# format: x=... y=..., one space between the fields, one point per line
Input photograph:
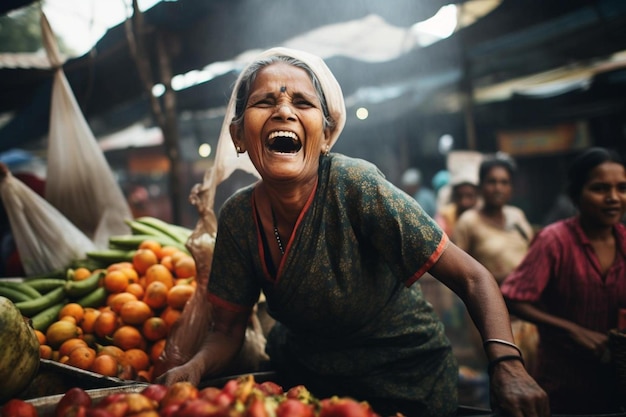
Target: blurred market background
x=536 y=79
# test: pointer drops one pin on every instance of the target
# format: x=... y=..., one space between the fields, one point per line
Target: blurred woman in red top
x=572 y=283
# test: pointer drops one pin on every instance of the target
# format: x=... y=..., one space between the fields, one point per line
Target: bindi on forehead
x=283 y=89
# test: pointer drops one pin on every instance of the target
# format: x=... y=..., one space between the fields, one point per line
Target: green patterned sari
x=349 y=319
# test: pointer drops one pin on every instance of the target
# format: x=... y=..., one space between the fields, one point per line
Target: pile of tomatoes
x=240 y=397
x=125 y=335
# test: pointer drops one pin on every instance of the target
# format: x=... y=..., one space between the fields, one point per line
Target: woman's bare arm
x=219 y=348
x=513 y=391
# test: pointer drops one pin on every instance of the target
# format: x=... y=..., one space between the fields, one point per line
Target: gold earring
x=327 y=150
x=238 y=148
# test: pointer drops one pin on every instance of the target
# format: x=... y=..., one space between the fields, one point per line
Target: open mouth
x=283 y=142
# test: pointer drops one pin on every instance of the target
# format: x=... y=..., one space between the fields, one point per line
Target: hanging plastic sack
x=45 y=239
x=186 y=336
x=80 y=183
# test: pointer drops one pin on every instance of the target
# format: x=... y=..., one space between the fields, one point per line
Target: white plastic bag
x=46 y=240
x=80 y=182
x=186 y=336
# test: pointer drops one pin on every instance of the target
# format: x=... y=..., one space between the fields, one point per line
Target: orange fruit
x=153 y=245
x=170 y=316
x=60 y=331
x=145 y=375
x=154 y=329
x=105 y=365
x=45 y=352
x=74 y=310
x=128 y=337
x=136 y=289
x=144 y=259
x=89 y=318
x=82 y=357
x=169 y=251
x=106 y=323
x=41 y=337
x=135 y=312
x=130 y=272
x=71 y=319
x=166 y=261
x=69 y=345
x=185 y=267
x=159 y=273
x=81 y=273
x=119 y=265
x=156 y=295
x=111 y=350
x=118 y=300
x=116 y=281
x=177 y=256
x=137 y=358
x=178 y=295
x=185 y=281
x=156 y=349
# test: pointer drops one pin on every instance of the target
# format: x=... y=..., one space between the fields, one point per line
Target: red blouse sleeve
x=528 y=281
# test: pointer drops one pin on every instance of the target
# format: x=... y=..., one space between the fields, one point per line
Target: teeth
x=283 y=141
x=283 y=133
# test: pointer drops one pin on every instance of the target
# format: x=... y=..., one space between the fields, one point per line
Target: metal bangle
x=503 y=342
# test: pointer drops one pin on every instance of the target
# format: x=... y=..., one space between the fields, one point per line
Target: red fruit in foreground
x=230 y=388
x=299 y=392
x=178 y=393
x=75 y=411
x=294 y=408
x=256 y=408
x=112 y=398
x=117 y=409
x=155 y=392
x=209 y=394
x=169 y=411
x=73 y=397
x=270 y=388
x=98 y=412
x=343 y=407
x=18 y=408
x=138 y=403
x=201 y=408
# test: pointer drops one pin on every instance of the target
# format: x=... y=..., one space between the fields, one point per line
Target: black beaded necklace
x=276 y=234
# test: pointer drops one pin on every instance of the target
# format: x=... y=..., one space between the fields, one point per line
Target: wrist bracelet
x=502 y=342
x=499 y=359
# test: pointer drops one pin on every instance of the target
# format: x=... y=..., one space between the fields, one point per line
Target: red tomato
x=73 y=397
x=343 y=407
x=18 y=408
x=294 y=408
x=270 y=388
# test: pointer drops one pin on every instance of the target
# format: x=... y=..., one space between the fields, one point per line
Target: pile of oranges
x=125 y=336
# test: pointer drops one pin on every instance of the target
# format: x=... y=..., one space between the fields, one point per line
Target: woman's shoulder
x=469 y=216
x=341 y=162
x=514 y=212
x=342 y=168
x=558 y=231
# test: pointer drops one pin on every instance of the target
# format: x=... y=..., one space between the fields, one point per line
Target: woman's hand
x=189 y=371
x=515 y=393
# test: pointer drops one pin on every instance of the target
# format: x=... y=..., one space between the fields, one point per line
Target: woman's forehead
x=281 y=74
x=608 y=170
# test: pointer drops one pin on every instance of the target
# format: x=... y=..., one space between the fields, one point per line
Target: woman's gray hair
x=250 y=74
